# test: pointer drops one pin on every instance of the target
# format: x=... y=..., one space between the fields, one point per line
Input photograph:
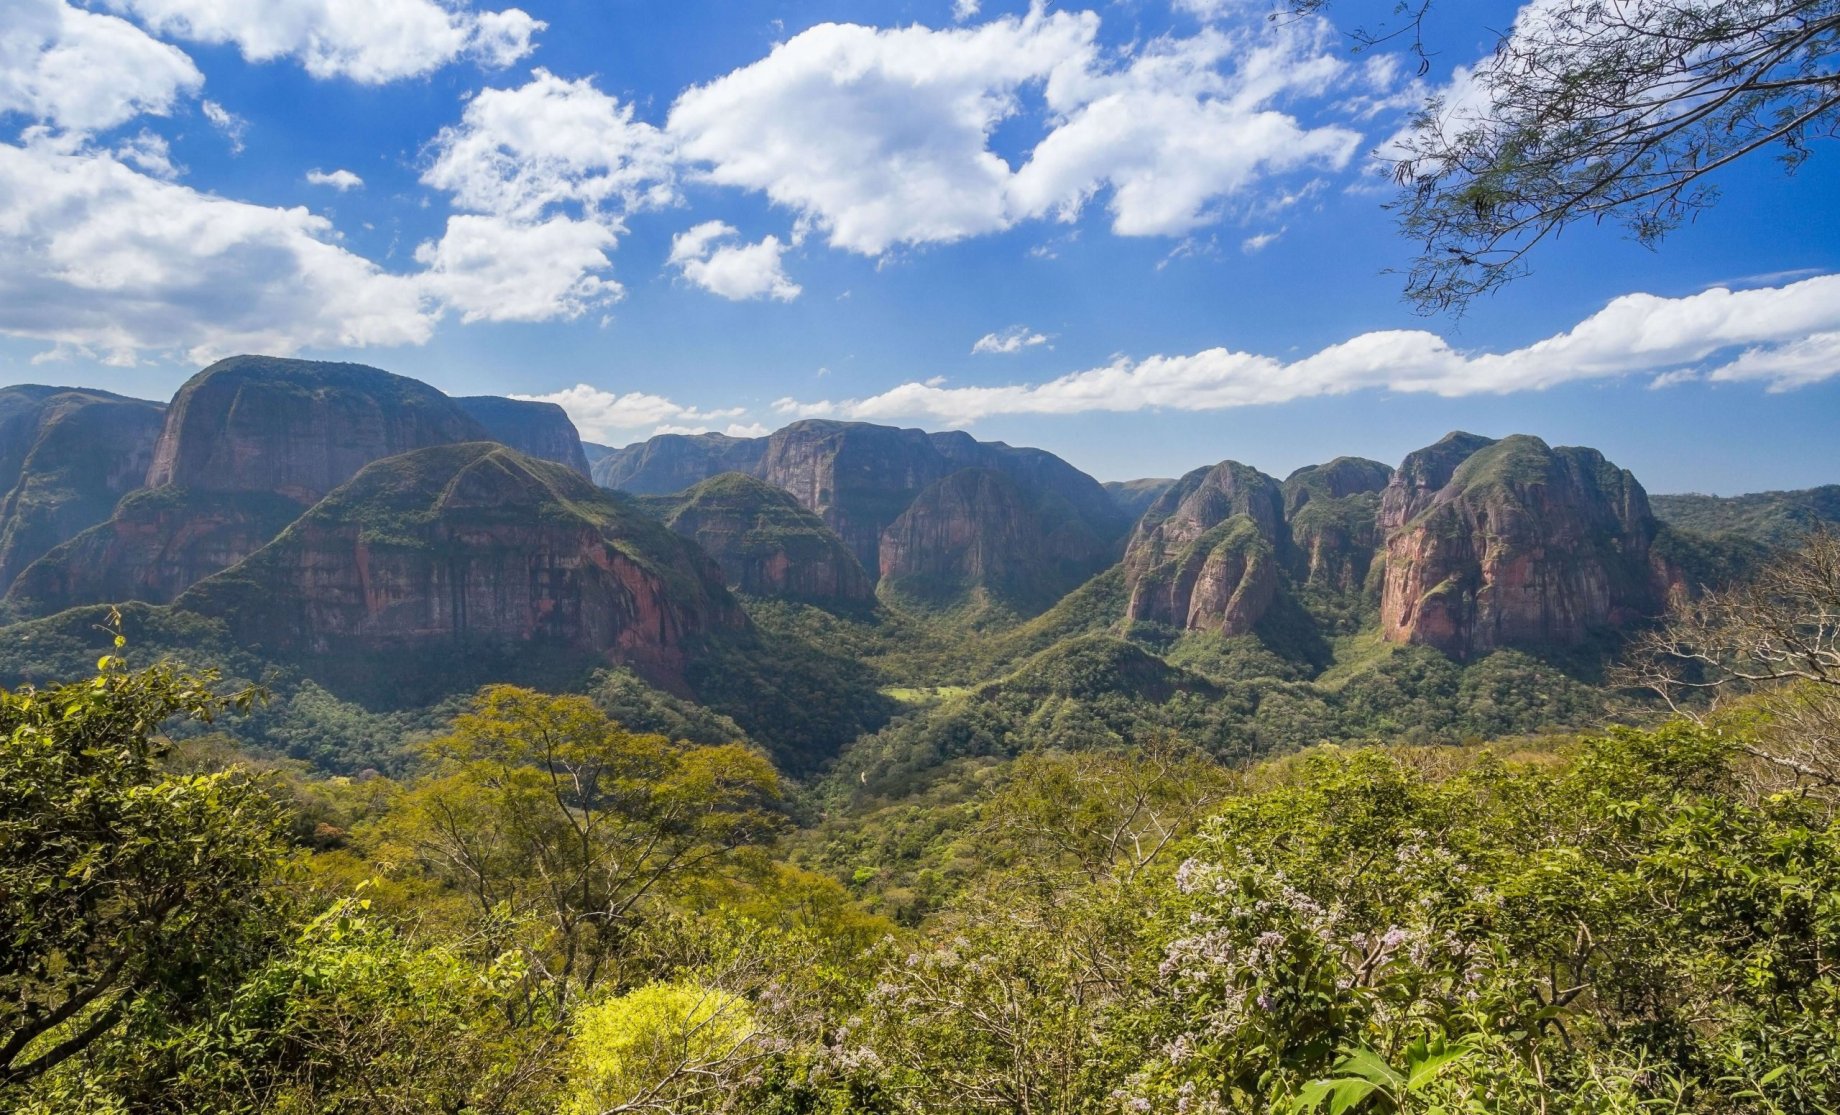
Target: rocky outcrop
x=247 y=445
x=67 y=455
x=672 y=462
x=1205 y=556
x=1134 y=497
x=158 y=542
x=1333 y=514
x=977 y=535
x=766 y=544
x=438 y=549
x=541 y=430
x=1513 y=542
x=858 y=477
x=297 y=428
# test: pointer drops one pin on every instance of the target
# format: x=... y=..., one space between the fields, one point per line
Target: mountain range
x=360 y=534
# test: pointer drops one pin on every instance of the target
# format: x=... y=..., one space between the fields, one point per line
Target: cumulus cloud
x=1175 y=133
x=84 y=71
x=340 y=180
x=737 y=272
x=373 y=42
x=881 y=137
x=1008 y=342
x=613 y=419
x=1788 y=336
x=106 y=260
x=547 y=173
x=229 y=123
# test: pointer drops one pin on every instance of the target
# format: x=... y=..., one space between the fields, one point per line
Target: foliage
x=127 y=893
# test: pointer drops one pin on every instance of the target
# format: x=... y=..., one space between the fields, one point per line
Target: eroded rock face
x=247 y=445
x=1333 y=514
x=297 y=428
x=977 y=533
x=673 y=462
x=1205 y=556
x=859 y=477
x=67 y=455
x=474 y=543
x=541 y=430
x=766 y=544
x=1521 y=544
x=157 y=543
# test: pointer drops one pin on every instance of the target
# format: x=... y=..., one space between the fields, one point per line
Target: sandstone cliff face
x=297 y=428
x=474 y=543
x=766 y=544
x=977 y=534
x=1333 y=511
x=66 y=456
x=247 y=445
x=1205 y=556
x=672 y=462
x=1520 y=544
x=540 y=430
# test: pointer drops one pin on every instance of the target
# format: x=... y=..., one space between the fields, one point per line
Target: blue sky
x=1145 y=235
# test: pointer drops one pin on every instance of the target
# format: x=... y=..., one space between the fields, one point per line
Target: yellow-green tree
x=548 y=815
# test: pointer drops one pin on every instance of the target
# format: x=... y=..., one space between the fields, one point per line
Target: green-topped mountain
x=1205 y=556
x=766 y=544
x=879 y=486
x=1514 y=542
x=1134 y=497
x=247 y=444
x=540 y=429
x=428 y=552
x=1772 y=518
x=67 y=455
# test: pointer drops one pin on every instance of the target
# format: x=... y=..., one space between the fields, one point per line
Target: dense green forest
x=1028 y=894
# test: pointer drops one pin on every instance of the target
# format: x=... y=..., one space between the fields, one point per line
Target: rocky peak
x=1423 y=474
x=66 y=456
x=1205 y=556
x=1524 y=544
x=1333 y=511
x=474 y=543
x=670 y=463
x=1339 y=479
x=297 y=428
x=766 y=544
x=541 y=430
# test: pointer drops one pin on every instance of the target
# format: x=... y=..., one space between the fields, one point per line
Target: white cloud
x=521 y=152
x=150 y=153
x=965 y=9
x=340 y=180
x=1174 y=134
x=1259 y=241
x=1790 y=336
x=1009 y=341
x=229 y=123
x=493 y=269
x=112 y=262
x=880 y=137
x=369 y=41
x=737 y=272
x=612 y=419
x=85 y=71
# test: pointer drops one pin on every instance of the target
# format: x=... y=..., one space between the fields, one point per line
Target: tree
x=543 y=811
x=1600 y=109
x=122 y=888
x=1774 y=641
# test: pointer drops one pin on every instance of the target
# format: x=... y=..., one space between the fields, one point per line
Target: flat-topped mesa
x=475 y=543
x=1205 y=556
x=768 y=545
x=248 y=443
x=539 y=429
x=1521 y=544
x=1332 y=511
x=67 y=455
x=670 y=463
x=297 y=428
